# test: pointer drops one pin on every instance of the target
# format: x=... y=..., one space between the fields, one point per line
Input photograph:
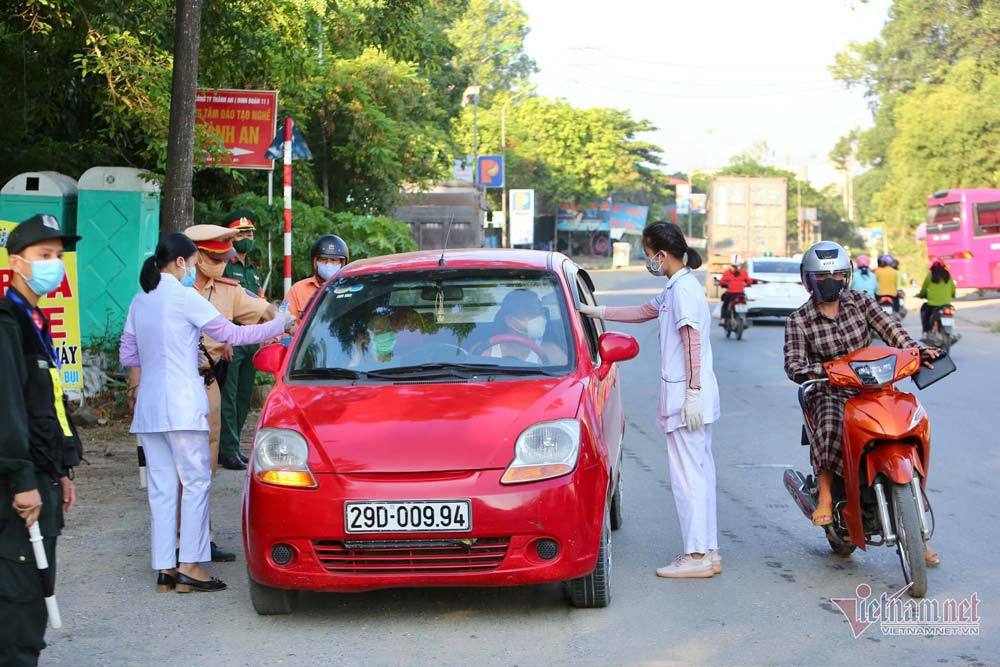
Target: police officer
x=215 y=249
x=329 y=254
x=39 y=445
x=238 y=389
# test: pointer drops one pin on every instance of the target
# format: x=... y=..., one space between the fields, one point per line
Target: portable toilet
x=34 y=192
x=119 y=222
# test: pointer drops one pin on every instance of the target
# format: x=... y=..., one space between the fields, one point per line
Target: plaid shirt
x=812 y=338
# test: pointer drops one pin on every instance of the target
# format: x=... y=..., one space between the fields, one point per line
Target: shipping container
x=746 y=215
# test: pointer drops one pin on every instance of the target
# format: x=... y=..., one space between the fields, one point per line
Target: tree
x=489 y=46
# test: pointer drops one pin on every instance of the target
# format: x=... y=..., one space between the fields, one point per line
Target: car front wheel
x=594 y=590
x=269 y=601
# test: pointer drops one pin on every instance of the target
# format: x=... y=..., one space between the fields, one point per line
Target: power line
x=701 y=83
x=735 y=66
x=827 y=89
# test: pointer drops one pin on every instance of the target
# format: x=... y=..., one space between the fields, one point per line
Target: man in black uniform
x=38 y=444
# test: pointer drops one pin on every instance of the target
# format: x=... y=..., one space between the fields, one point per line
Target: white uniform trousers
x=692 y=476
x=172 y=457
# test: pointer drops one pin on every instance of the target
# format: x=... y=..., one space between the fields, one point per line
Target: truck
x=747 y=215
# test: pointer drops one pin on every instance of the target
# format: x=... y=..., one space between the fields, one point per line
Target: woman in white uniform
x=162 y=331
x=689 y=394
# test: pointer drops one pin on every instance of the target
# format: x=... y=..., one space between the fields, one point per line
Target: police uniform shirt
x=245 y=274
x=235 y=303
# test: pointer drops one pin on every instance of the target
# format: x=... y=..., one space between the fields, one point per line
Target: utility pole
x=178 y=203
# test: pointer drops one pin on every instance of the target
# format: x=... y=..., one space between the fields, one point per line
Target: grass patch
x=995 y=328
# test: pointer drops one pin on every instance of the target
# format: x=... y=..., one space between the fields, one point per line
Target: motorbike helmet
x=883 y=260
x=736 y=259
x=938 y=261
x=892 y=261
x=863 y=262
x=823 y=260
x=330 y=246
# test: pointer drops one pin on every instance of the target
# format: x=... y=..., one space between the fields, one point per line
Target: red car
x=440 y=420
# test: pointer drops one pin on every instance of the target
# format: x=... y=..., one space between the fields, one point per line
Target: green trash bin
x=119 y=220
x=34 y=192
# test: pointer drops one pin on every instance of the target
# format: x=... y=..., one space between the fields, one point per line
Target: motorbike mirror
x=269 y=358
x=615 y=347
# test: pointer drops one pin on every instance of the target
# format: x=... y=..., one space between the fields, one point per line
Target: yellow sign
x=61 y=308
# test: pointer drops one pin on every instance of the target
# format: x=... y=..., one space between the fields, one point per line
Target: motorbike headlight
x=918 y=414
x=875 y=373
x=280 y=457
x=544 y=451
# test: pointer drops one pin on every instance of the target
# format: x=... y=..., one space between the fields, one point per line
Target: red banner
x=244 y=120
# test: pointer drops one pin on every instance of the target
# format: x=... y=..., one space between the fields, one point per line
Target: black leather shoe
x=186 y=584
x=165 y=582
x=232 y=462
x=243 y=457
x=220 y=556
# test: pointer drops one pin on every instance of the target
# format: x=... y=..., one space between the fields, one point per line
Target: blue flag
x=300 y=151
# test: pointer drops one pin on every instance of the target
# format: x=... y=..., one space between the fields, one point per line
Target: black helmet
x=331 y=246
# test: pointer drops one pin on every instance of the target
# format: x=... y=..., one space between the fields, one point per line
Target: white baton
x=48 y=585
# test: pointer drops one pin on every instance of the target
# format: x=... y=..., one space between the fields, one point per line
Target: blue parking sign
x=489 y=171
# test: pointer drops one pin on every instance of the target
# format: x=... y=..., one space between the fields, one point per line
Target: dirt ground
x=103 y=564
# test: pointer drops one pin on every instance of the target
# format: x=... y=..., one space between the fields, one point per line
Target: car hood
x=396 y=428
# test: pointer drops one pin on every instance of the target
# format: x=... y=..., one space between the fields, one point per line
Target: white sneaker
x=686 y=566
x=716 y=561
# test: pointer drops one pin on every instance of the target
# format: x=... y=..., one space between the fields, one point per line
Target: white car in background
x=777 y=290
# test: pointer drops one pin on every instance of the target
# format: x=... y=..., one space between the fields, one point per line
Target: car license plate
x=408 y=516
x=741 y=308
x=947 y=321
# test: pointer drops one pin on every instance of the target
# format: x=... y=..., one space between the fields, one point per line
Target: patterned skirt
x=826 y=404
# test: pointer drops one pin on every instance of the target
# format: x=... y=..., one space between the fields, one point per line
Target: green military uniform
x=238 y=390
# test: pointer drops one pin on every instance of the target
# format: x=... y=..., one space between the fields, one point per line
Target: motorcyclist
x=887 y=276
x=938 y=289
x=328 y=255
x=864 y=280
x=832 y=323
x=735 y=280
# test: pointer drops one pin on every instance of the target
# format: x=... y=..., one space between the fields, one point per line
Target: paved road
x=770 y=607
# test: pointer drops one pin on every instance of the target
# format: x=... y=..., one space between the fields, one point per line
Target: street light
x=503 y=153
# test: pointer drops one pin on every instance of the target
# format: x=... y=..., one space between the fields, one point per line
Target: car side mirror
x=269 y=358
x=615 y=347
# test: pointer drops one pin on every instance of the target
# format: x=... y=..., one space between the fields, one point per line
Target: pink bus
x=963 y=228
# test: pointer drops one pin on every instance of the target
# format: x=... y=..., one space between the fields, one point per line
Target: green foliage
x=932 y=79
x=489 y=45
x=366 y=236
x=567 y=154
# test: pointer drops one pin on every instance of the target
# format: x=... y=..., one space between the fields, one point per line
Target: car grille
x=411 y=556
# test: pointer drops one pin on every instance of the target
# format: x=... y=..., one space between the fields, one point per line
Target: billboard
x=629 y=217
x=522 y=217
x=489 y=171
x=244 y=120
x=594 y=217
x=62 y=309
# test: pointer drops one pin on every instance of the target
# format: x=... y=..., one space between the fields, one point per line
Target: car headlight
x=875 y=373
x=544 y=451
x=280 y=457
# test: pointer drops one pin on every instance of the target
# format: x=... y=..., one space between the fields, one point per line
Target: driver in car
x=523 y=321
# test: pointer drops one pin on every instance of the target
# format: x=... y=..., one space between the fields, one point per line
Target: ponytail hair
x=168 y=250
x=667 y=237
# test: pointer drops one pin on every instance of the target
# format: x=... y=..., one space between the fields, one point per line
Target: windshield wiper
x=445 y=369
x=326 y=374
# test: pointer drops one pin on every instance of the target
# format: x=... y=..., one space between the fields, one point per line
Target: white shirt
x=682 y=303
x=167 y=326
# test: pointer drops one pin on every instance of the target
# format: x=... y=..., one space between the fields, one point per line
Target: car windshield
x=776 y=266
x=430 y=324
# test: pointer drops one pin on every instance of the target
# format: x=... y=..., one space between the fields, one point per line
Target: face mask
x=384 y=343
x=212 y=270
x=190 y=274
x=243 y=246
x=654 y=266
x=533 y=328
x=46 y=275
x=829 y=289
x=327 y=271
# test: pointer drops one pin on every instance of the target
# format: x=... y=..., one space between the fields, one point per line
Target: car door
x=606 y=393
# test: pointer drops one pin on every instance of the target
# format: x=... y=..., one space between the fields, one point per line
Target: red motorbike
x=880 y=499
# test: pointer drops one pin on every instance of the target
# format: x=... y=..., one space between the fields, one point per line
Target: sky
x=715 y=76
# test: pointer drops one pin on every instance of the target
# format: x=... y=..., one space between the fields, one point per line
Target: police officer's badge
x=50 y=222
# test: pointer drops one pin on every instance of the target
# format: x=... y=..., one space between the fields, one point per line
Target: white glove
x=288 y=318
x=691 y=411
x=595 y=312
